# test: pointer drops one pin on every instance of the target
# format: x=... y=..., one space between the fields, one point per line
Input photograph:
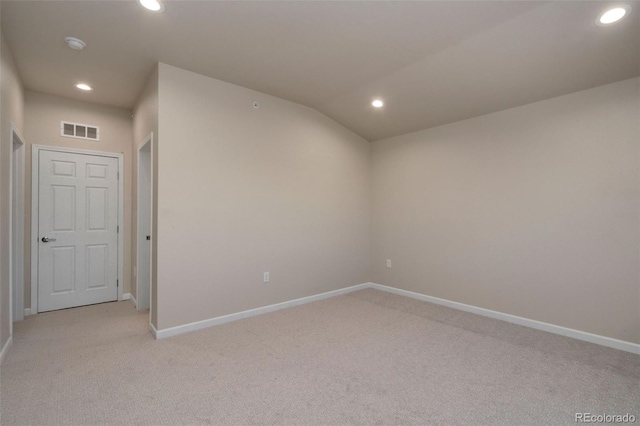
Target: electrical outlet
x=266 y=277
x=388 y=263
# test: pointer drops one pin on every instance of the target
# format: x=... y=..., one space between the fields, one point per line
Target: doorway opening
x=16 y=229
x=144 y=224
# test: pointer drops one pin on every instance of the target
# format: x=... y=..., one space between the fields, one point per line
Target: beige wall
x=146 y=122
x=43 y=114
x=532 y=211
x=242 y=191
x=11 y=111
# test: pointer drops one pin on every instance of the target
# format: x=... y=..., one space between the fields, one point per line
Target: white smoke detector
x=75 y=43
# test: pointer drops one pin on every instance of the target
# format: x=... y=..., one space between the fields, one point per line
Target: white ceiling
x=433 y=62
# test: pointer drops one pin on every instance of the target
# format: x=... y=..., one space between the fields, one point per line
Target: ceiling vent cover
x=79 y=131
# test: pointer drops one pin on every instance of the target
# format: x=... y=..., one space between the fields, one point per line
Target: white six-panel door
x=77 y=230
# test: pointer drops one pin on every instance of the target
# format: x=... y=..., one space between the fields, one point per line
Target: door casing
x=16 y=228
x=35 y=176
x=145 y=154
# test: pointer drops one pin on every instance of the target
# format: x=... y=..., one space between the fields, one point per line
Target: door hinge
x=118 y=173
x=117 y=283
x=118 y=229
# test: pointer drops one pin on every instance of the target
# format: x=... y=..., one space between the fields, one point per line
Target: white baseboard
x=173 y=331
x=126 y=296
x=27 y=312
x=133 y=300
x=5 y=349
x=538 y=325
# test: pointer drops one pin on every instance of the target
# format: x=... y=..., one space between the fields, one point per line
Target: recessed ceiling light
x=377 y=103
x=83 y=86
x=152 y=5
x=613 y=15
x=75 y=43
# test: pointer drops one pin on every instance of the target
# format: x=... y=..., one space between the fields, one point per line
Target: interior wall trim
x=538 y=325
x=133 y=300
x=199 y=325
x=5 y=349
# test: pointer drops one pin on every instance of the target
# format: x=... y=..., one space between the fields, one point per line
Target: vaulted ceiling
x=432 y=62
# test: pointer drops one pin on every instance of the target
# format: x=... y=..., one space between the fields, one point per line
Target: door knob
x=46 y=240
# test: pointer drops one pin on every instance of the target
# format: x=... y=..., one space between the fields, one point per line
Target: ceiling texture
x=432 y=62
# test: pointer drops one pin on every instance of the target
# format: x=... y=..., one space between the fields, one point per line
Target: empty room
x=319 y=212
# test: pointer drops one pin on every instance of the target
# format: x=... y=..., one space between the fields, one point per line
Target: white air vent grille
x=80 y=131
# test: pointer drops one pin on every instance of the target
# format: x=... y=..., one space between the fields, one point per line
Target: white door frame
x=35 y=165
x=16 y=226
x=147 y=141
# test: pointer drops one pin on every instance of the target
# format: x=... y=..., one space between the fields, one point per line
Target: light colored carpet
x=364 y=358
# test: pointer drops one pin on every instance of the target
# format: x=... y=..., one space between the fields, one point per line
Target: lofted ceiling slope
x=433 y=62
